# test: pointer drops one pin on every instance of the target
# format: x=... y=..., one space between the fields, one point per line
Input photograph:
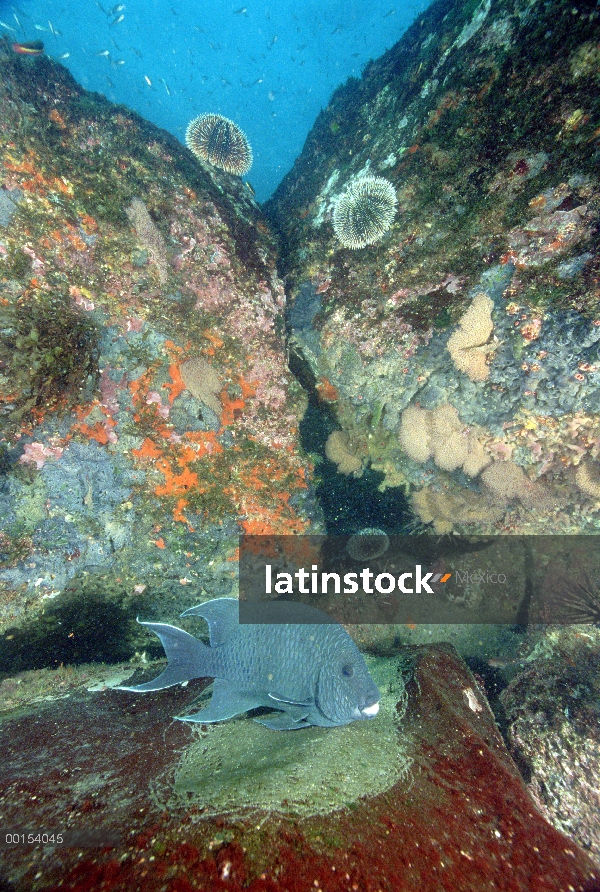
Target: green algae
x=15 y=545
x=48 y=352
x=240 y=766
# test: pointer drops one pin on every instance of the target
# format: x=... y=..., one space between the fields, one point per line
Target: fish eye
x=348 y=671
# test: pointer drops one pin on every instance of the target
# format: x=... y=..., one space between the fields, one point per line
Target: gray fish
x=306 y=666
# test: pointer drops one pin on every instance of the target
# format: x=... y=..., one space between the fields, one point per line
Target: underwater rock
x=553 y=730
x=9 y=200
x=147 y=412
x=483 y=292
x=423 y=797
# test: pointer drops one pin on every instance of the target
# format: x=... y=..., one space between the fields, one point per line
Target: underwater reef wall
x=460 y=346
x=147 y=414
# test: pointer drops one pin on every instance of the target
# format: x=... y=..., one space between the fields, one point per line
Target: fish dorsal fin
x=222 y=616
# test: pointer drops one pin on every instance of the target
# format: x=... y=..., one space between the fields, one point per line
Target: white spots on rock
x=472 y=27
x=325 y=199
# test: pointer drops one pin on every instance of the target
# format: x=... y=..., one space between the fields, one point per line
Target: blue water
x=270 y=68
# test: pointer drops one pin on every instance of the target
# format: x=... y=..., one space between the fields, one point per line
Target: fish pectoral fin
x=225 y=703
x=279 y=698
x=293 y=716
x=284 y=722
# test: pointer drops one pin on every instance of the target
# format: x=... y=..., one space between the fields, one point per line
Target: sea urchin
x=364 y=211
x=218 y=140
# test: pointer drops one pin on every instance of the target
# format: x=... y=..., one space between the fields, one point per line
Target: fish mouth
x=369 y=712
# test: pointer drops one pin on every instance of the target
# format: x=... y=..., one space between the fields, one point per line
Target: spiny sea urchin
x=364 y=211
x=218 y=140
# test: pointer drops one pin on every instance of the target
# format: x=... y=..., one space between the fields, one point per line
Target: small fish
x=103 y=53
x=40 y=28
x=388 y=14
x=241 y=11
x=310 y=670
x=274 y=40
x=54 y=30
x=64 y=56
x=118 y=19
x=249 y=187
x=166 y=86
x=147 y=79
x=34 y=48
x=117 y=9
x=8 y=27
x=499 y=663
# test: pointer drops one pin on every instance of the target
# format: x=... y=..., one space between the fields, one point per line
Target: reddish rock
x=461 y=819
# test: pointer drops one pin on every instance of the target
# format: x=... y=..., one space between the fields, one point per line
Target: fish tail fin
x=188 y=658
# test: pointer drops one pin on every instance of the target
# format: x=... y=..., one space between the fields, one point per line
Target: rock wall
x=479 y=302
x=147 y=412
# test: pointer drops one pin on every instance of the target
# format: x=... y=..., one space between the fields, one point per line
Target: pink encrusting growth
x=38 y=454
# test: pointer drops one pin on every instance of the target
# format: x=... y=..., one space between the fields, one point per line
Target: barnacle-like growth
x=340 y=449
x=440 y=434
x=202 y=381
x=588 y=478
x=219 y=141
x=150 y=237
x=504 y=481
x=468 y=344
x=446 y=509
x=364 y=212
